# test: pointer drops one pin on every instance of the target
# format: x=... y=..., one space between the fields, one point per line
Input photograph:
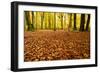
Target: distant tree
x=65 y=21
x=42 y=19
x=54 y=21
x=49 y=21
x=32 y=24
x=61 y=20
x=75 y=28
x=70 y=21
x=82 y=22
x=36 y=21
x=45 y=20
x=27 y=16
x=88 y=22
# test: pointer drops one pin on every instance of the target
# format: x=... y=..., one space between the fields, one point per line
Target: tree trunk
x=88 y=22
x=32 y=25
x=45 y=20
x=54 y=21
x=75 y=28
x=42 y=18
x=49 y=21
x=64 y=21
x=36 y=21
x=28 y=20
x=70 y=22
x=82 y=22
x=61 y=21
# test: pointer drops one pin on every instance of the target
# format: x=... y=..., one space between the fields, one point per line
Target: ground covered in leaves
x=46 y=45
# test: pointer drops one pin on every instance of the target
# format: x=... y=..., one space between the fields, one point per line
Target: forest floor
x=46 y=45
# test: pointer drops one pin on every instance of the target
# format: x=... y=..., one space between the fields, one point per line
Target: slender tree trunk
x=32 y=25
x=88 y=22
x=25 y=22
x=42 y=18
x=82 y=22
x=64 y=21
x=54 y=21
x=70 y=22
x=36 y=21
x=45 y=20
x=30 y=20
x=61 y=21
x=27 y=19
x=49 y=20
x=75 y=28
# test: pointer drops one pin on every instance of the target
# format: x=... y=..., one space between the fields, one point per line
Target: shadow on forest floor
x=46 y=45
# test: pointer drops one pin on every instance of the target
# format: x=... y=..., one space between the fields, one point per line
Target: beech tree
x=75 y=28
x=88 y=22
x=82 y=22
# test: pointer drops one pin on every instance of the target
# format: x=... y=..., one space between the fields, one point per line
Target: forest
x=50 y=36
x=56 y=21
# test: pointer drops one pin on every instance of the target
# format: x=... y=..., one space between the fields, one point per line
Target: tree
x=28 y=20
x=65 y=21
x=36 y=21
x=49 y=21
x=61 y=20
x=82 y=22
x=54 y=21
x=25 y=22
x=70 y=21
x=88 y=22
x=42 y=19
x=32 y=23
x=75 y=28
x=45 y=22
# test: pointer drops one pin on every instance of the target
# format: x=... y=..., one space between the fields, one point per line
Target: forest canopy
x=56 y=21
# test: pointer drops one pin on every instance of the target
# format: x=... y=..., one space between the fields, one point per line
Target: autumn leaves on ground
x=44 y=45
